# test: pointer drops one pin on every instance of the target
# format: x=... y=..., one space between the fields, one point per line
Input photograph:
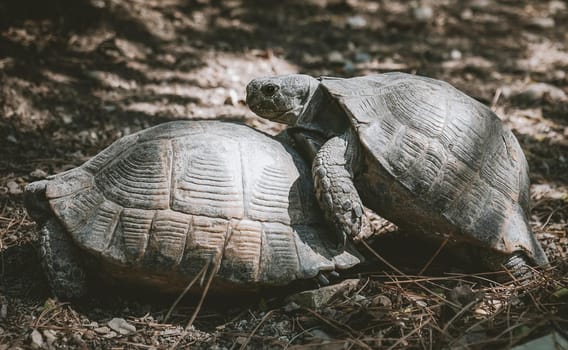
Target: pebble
x=13 y=187
x=121 y=326
x=543 y=22
x=362 y=57
x=356 y=22
x=12 y=138
x=382 y=300
x=349 y=67
x=37 y=339
x=110 y=334
x=318 y=298
x=38 y=174
x=102 y=330
x=292 y=306
x=537 y=92
x=4 y=311
x=557 y=6
x=67 y=119
x=50 y=336
x=423 y=13
x=317 y=333
x=335 y=57
x=455 y=54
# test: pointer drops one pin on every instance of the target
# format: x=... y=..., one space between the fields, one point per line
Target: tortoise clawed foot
x=324 y=278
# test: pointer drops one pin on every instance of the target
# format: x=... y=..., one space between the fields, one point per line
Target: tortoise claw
x=322 y=280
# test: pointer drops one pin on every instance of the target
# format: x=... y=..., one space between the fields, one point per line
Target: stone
x=121 y=326
x=335 y=57
x=13 y=187
x=38 y=174
x=37 y=339
x=423 y=13
x=536 y=93
x=356 y=22
x=318 y=298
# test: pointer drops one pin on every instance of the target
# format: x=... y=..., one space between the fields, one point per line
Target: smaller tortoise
x=415 y=150
x=156 y=206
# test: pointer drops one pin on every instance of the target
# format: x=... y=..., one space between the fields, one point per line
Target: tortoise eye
x=269 y=89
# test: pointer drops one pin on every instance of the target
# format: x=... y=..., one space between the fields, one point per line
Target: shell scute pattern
x=140 y=178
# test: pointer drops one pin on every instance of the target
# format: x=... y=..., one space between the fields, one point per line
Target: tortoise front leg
x=336 y=194
x=60 y=261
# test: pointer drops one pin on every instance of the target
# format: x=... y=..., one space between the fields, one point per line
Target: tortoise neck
x=323 y=114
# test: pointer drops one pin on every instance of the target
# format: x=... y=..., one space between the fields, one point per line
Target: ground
x=76 y=75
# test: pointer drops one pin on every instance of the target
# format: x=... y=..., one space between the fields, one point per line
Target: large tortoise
x=156 y=206
x=415 y=150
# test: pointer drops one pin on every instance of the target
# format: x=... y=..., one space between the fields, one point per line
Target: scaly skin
x=335 y=191
x=60 y=261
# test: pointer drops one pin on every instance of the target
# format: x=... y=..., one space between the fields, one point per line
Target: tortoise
x=415 y=150
x=156 y=206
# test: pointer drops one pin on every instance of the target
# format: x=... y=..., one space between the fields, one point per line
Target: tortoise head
x=281 y=98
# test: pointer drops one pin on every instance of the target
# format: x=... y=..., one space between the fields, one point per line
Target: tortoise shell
x=165 y=201
x=441 y=158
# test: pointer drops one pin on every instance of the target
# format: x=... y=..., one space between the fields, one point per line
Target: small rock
x=542 y=23
x=356 y=22
x=319 y=334
x=102 y=330
x=382 y=300
x=50 y=336
x=67 y=119
x=455 y=54
x=423 y=13
x=556 y=6
x=37 y=339
x=463 y=295
x=539 y=92
x=38 y=174
x=110 y=334
x=361 y=299
x=241 y=340
x=480 y=4
x=467 y=14
x=559 y=75
x=121 y=326
x=349 y=67
x=335 y=57
x=317 y=298
x=78 y=338
x=362 y=57
x=4 y=311
x=283 y=327
x=12 y=138
x=89 y=334
x=310 y=59
x=13 y=187
x=292 y=306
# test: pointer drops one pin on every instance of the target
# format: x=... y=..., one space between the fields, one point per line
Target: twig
x=198 y=307
x=458 y=314
x=402 y=339
x=244 y=345
x=180 y=297
x=444 y=242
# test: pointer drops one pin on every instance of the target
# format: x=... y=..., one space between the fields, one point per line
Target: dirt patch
x=78 y=74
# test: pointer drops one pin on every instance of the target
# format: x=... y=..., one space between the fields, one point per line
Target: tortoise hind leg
x=519 y=265
x=60 y=261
